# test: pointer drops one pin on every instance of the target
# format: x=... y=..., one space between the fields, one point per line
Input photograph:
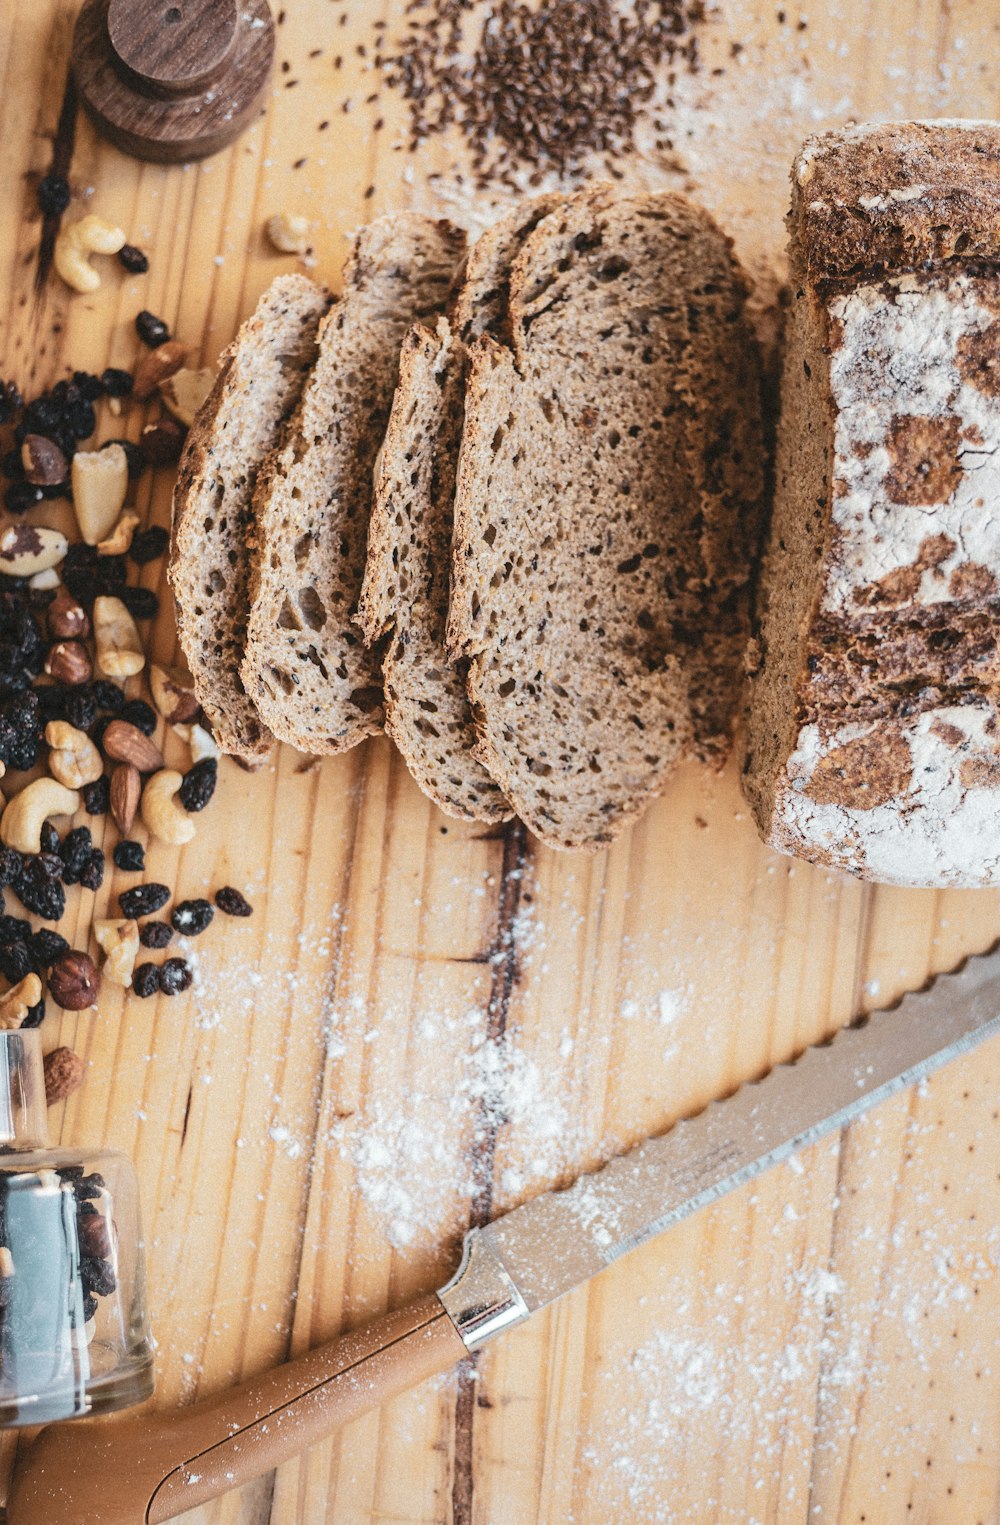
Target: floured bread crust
x=873 y=735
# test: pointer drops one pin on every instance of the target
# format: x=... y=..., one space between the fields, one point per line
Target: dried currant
x=151 y=329
x=146 y=980
x=93 y=874
x=75 y=853
x=130 y=856
x=232 y=903
x=147 y=545
x=175 y=976
x=45 y=946
x=198 y=784
x=191 y=917
x=143 y=900
x=15 y=961
x=53 y=195
x=140 y=714
x=155 y=934
x=133 y=259
x=116 y=382
x=38 y=892
x=141 y=603
x=97 y=796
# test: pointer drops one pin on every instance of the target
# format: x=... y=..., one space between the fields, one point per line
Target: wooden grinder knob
x=172 y=79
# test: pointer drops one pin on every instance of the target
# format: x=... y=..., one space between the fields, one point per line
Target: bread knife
x=146 y=1467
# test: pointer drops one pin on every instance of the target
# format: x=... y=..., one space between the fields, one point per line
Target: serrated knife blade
x=543 y=1249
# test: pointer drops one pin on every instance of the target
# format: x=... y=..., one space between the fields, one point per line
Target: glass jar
x=74 y=1331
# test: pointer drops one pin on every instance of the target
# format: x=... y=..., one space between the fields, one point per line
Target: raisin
x=232 y=902
x=49 y=838
x=36 y=1015
x=81 y=420
x=38 y=892
x=81 y=709
x=49 y=864
x=20 y=496
x=98 y=729
x=146 y=980
x=175 y=976
x=53 y=195
x=45 y=946
x=130 y=857
x=86 y=385
x=15 y=961
x=149 y=544
x=14 y=930
x=97 y=796
x=143 y=900
x=191 y=917
x=11 y=402
x=140 y=714
x=132 y=259
x=141 y=603
x=93 y=874
x=11 y=863
x=198 y=784
x=116 y=382
x=108 y=696
x=75 y=854
x=155 y=934
x=97 y=1276
x=151 y=329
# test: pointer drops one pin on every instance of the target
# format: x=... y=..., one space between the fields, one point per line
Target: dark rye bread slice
x=406 y=584
x=306 y=666
x=607 y=506
x=259 y=381
x=873 y=735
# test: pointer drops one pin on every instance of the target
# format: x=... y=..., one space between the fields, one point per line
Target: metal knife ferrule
x=481 y=1299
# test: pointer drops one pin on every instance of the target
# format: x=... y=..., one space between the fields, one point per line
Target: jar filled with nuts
x=74 y=1336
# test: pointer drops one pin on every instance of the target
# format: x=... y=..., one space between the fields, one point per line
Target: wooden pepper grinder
x=172 y=79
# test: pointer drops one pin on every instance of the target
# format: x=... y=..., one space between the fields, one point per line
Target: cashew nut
x=288 y=232
x=16 y=1002
x=74 y=759
x=202 y=743
x=100 y=481
x=118 y=542
x=160 y=811
x=29 y=548
x=22 y=820
x=119 y=649
x=119 y=941
x=76 y=242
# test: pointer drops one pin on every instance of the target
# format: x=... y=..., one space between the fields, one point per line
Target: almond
x=126 y=743
x=154 y=368
x=126 y=789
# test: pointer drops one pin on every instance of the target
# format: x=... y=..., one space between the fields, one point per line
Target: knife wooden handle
x=145 y=1467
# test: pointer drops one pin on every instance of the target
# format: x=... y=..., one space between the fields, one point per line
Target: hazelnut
x=163 y=441
x=74 y=981
x=44 y=463
x=63 y=1072
x=65 y=619
x=69 y=662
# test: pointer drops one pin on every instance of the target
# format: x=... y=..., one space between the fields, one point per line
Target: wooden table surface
x=424 y=1021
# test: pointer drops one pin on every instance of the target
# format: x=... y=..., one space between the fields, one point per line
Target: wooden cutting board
x=422 y=1016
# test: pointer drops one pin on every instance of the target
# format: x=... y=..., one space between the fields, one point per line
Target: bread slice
x=873 y=737
x=259 y=381
x=406 y=583
x=306 y=667
x=607 y=506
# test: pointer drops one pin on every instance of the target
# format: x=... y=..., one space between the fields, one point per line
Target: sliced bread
x=406 y=583
x=259 y=381
x=306 y=667
x=607 y=507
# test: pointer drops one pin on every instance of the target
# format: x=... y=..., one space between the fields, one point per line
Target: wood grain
x=821 y=1346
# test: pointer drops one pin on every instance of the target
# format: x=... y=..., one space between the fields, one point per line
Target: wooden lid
x=172 y=79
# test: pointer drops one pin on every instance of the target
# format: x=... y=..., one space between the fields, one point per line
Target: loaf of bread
x=406 y=585
x=873 y=737
x=259 y=381
x=607 y=505
x=305 y=666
